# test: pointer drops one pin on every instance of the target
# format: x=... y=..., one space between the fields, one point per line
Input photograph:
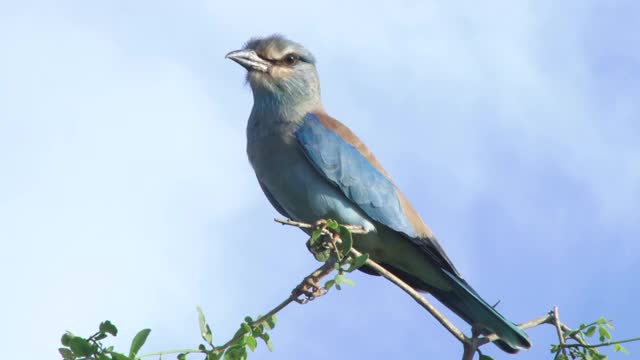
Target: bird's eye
x=291 y=59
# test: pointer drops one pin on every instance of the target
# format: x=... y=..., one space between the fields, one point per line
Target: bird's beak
x=249 y=60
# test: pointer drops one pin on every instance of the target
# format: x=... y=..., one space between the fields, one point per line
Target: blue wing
x=345 y=167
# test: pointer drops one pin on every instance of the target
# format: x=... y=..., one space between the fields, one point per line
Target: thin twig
x=575 y=336
x=317 y=274
x=255 y=324
x=469 y=349
x=355 y=229
x=471 y=345
x=169 y=352
x=394 y=279
x=602 y=344
x=417 y=297
x=556 y=323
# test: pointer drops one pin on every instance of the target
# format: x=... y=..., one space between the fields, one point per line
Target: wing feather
x=346 y=162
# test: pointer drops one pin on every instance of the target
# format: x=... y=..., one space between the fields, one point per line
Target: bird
x=310 y=166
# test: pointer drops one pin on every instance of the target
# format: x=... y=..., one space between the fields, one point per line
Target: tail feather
x=467 y=304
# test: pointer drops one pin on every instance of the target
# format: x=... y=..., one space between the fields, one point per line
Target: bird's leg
x=308 y=290
x=310 y=287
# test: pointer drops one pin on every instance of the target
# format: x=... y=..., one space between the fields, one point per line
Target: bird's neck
x=274 y=120
x=277 y=108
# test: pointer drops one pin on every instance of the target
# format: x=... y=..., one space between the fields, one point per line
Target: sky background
x=125 y=193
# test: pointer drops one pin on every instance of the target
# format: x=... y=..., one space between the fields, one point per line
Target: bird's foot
x=308 y=290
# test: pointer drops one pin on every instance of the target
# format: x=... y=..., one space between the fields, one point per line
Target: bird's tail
x=467 y=304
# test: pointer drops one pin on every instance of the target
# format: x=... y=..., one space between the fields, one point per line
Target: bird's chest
x=282 y=168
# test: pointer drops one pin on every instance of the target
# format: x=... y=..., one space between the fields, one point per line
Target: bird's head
x=279 y=70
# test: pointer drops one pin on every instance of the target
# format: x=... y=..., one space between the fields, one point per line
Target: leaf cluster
x=92 y=348
x=333 y=239
x=577 y=345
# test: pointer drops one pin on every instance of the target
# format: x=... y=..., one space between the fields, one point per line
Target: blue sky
x=126 y=193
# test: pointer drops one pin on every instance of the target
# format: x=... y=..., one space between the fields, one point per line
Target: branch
x=355 y=229
x=471 y=345
x=592 y=346
x=556 y=323
x=332 y=244
x=417 y=297
x=220 y=349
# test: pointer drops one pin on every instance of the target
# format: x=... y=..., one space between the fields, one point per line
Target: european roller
x=310 y=166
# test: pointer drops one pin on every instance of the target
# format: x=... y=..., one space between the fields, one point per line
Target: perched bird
x=310 y=167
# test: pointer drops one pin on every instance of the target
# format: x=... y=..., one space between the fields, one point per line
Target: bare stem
x=293 y=297
x=353 y=228
x=471 y=345
x=556 y=323
x=602 y=344
x=417 y=297
x=255 y=324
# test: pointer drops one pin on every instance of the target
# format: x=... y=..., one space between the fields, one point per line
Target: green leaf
x=248 y=319
x=182 y=356
x=571 y=333
x=108 y=328
x=329 y=284
x=239 y=332
x=213 y=356
x=209 y=337
x=246 y=328
x=267 y=341
x=66 y=338
x=319 y=252
x=333 y=225
x=201 y=320
x=315 y=235
x=66 y=353
x=205 y=330
x=590 y=331
x=619 y=348
x=599 y=356
x=358 y=262
x=348 y=282
x=485 y=357
x=264 y=337
x=347 y=240
x=604 y=333
x=81 y=346
x=118 y=356
x=138 y=341
x=257 y=330
x=236 y=352
x=271 y=322
x=100 y=336
x=601 y=321
x=251 y=342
